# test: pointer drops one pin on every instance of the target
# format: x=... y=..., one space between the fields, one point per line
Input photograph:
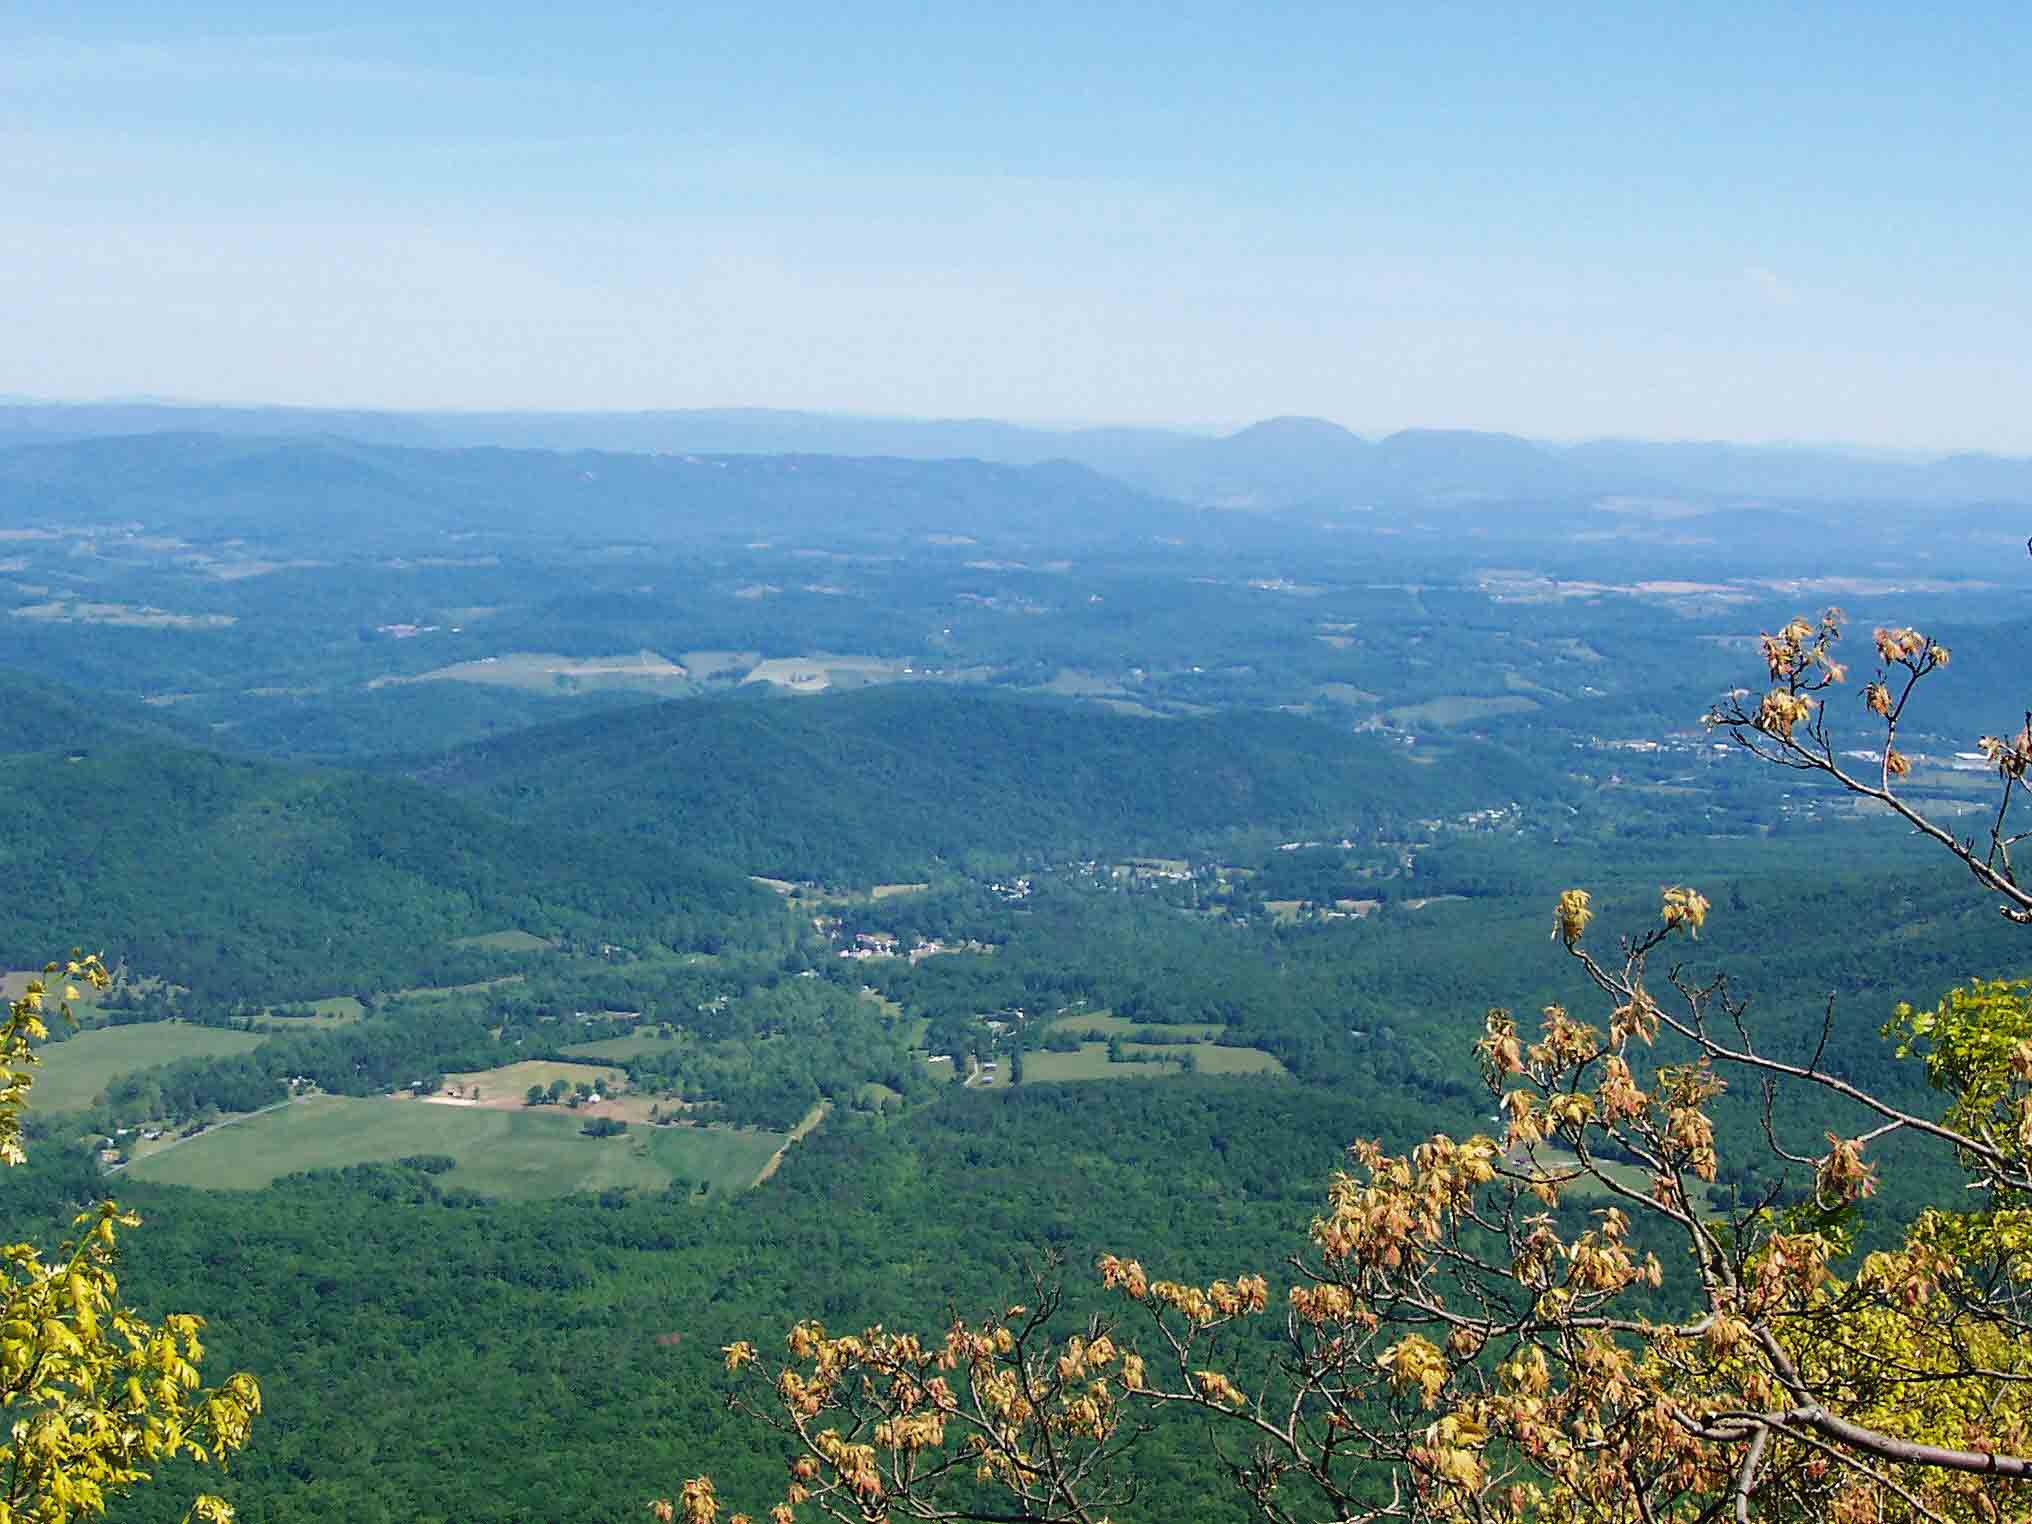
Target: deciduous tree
x=94 y=1396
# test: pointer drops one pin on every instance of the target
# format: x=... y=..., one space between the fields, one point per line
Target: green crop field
x=517 y=1154
x=1458 y=709
x=621 y=1049
x=1091 y=1062
x=549 y=675
x=1107 y=1024
x=728 y=1157
x=72 y=1073
x=507 y=941
x=1215 y=1059
x=511 y=1081
x=332 y=1011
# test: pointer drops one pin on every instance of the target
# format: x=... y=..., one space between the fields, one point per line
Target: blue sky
x=1706 y=220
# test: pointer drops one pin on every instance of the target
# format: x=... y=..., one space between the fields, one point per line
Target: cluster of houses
x=883 y=944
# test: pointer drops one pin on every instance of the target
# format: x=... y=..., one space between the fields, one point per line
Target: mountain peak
x=1293 y=428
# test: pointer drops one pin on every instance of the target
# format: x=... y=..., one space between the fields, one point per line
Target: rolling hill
x=888 y=783
x=249 y=879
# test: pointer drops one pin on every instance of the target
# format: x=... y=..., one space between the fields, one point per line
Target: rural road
x=225 y=1122
x=803 y=1129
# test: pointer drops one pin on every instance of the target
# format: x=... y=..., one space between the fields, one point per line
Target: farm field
x=507 y=941
x=1091 y=1063
x=331 y=1011
x=621 y=1049
x=520 y=1155
x=728 y=1159
x=1071 y=682
x=1107 y=1024
x=1458 y=709
x=72 y=1074
x=1215 y=1059
x=1347 y=693
x=447 y=991
x=706 y=665
x=548 y=674
x=822 y=670
x=509 y=1083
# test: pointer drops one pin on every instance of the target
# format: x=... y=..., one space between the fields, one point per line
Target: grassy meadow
x=511 y=1082
x=517 y=1154
x=1043 y=1067
x=1106 y=1024
x=621 y=1049
x=73 y=1073
x=506 y=941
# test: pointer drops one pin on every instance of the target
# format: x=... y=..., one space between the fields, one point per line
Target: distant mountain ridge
x=332 y=489
x=1279 y=463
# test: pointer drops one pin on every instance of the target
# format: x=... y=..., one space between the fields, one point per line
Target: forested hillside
x=891 y=783
x=244 y=879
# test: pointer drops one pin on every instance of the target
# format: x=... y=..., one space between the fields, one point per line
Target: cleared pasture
x=511 y=1082
x=621 y=1049
x=507 y=941
x=1107 y=1024
x=729 y=1159
x=1215 y=1059
x=1091 y=1062
x=705 y=665
x=1458 y=709
x=548 y=674
x=331 y=1011
x=72 y=1074
x=878 y=1096
x=514 y=1154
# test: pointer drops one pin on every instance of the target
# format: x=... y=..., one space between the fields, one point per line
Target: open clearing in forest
x=706 y=665
x=1077 y=682
x=449 y=991
x=822 y=670
x=331 y=1011
x=522 y=1154
x=621 y=1049
x=509 y=1084
x=72 y=1074
x=507 y=941
x=1107 y=1025
x=126 y=615
x=544 y=673
x=1458 y=709
x=86 y=1008
x=1043 y=1067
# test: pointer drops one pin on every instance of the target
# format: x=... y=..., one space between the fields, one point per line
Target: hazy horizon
x=1860 y=448
x=1729 y=225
